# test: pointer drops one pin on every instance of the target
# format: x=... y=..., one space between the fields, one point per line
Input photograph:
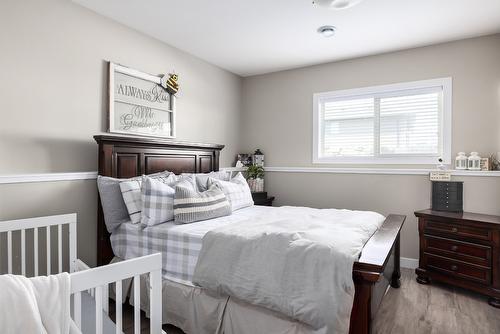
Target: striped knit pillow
x=191 y=205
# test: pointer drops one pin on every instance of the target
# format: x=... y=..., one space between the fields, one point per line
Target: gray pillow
x=113 y=207
x=191 y=206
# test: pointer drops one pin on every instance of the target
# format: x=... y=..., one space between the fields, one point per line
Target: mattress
x=180 y=244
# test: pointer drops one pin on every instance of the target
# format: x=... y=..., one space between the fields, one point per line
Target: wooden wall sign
x=138 y=104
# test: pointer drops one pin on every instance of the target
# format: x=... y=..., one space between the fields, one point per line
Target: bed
x=123 y=157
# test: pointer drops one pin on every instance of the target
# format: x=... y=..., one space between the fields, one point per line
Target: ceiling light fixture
x=336 y=4
x=327 y=31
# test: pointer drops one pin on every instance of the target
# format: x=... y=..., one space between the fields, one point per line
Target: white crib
x=95 y=281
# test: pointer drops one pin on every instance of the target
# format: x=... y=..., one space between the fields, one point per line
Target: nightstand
x=261 y=198
x=461 y=249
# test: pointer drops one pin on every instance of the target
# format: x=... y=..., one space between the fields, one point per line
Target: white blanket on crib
x=36 y=305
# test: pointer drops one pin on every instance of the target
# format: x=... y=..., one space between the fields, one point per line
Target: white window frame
x=374 y=91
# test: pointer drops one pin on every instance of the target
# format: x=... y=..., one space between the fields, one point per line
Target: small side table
x=261 y=198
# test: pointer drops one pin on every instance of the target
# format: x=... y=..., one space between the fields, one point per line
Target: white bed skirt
x=198 y=311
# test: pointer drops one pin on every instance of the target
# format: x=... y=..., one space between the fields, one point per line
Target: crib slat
x=98 y=310
x=137 y=304
x=23 y=252
x=59 y=248
x=9 y=252
x=105 y=299
x=118 y=293
x=48 y=249
x=35 y=249
x=77 y=307
x=155 y=302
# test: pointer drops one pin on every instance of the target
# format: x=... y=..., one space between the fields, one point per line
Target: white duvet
x=294 y=260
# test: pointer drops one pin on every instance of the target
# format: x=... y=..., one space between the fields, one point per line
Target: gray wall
x=53 y=100
x=277 y=118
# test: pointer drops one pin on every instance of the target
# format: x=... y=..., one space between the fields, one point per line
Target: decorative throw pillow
x=157 y=202
x=236 y=190
x=131 y=193
x=202 y=179
x=191 y=206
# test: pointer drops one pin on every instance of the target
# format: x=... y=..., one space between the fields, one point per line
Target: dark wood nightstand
x=461 y=249
x=261 y=198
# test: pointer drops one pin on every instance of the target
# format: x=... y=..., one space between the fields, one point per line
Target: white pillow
x=157 y=202
x=236 y=190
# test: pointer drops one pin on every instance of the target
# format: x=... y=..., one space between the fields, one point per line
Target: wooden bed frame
x=124 y=157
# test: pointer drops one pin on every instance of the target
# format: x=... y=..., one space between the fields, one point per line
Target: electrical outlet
x=440 y=176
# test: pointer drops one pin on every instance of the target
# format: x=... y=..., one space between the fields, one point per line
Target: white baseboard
x=409 y=263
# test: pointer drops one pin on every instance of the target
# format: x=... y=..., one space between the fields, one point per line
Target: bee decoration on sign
x=169 y=82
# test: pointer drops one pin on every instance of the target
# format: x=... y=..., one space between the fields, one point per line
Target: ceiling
x=249 y=37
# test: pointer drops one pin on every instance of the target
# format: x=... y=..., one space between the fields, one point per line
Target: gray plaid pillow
x=131 y=193
x=236 y=190
x=157 y=202
x=191 y=206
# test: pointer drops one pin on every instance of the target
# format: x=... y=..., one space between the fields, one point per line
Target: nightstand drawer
x=456 y=230
x=457 y=268
x=463 y=251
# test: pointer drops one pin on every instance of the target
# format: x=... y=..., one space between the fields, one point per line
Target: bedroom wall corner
x=54 y=82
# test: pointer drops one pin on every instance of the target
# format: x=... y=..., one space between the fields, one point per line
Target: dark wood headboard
x=124 y=157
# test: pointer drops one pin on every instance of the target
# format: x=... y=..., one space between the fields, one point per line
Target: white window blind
x=403 y=123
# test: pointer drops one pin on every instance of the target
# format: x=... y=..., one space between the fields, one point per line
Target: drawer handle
x=454 y=248
x=454 y=267
x=454 y=230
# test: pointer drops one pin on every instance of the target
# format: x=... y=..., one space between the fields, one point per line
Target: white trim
x=54 y=177
x=359 y=170
x=388 y=90
x=409 y=263
x=46 y=177
x=389 y=171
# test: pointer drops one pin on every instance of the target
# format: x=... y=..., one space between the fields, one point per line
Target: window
x=407 y=123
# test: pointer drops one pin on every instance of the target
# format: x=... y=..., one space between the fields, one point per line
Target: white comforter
x=35 y=305
x=294 y=260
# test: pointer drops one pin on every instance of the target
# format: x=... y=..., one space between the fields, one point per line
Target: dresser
x=461 y=249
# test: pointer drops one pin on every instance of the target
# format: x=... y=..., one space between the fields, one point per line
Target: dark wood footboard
x=377 y=267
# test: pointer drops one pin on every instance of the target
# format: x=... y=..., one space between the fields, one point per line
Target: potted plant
x=255 y=179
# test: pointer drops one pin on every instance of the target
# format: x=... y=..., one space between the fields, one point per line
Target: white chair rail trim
x=73 y=176
x=46 y=177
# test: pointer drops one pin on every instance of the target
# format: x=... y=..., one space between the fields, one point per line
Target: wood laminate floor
x=412 y=309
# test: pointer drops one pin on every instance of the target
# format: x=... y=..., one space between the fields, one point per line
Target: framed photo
x=138 y=104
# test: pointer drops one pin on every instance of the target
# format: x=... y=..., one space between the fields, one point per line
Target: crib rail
x=38 y=225
x=100 y=278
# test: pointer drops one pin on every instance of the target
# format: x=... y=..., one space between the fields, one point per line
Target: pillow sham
x=191 y=206
x=236 y=190
x=131 y=193
x=157 y=202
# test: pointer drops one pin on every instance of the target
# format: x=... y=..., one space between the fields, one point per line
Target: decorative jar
x=474 y=161
x=461 y=161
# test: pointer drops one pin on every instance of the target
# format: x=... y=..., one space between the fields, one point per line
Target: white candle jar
x=474 y=161
x=461 y=161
